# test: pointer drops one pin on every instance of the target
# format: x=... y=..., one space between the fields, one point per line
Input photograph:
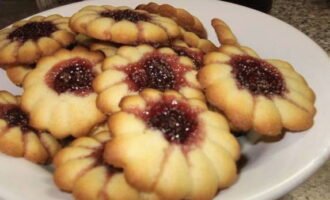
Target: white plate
x=272 y=169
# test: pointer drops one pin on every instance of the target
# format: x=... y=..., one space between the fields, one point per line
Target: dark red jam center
x=176 y=120
x=156 y=71
x=258 y=76
x=74 y=75
x=195 y=56
x=156 y=74
x=14 y=116
x=127 y=14
x=32 y=30
x=174 y=123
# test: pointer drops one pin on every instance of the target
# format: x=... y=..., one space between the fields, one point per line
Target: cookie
x=135 y=68
x=124 y=25
x=80 y=169
x=17 y=138
x=17 y=73
x=262 y=95
x=28 y=40
x=172 y=146
x=58 y=93
x=179 y=15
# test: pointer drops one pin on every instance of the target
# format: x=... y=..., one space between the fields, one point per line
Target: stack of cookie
x=148 y=101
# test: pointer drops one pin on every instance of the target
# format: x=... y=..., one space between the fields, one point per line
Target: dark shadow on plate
x=49 y=168
x=241 y=163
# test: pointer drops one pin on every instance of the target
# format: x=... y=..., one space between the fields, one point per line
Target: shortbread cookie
x=262 y=95
x=124 y=25
x=28 y=40
x=80 y=169
x=179 y=15
x=82 y=155
x=17 y=73
x=58 y=93
x=17 y=138
x=172 y=146
x=135 y=68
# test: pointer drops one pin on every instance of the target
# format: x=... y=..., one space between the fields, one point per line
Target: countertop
x=312 y=17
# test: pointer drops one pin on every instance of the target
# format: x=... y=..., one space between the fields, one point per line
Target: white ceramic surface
x=272 y=168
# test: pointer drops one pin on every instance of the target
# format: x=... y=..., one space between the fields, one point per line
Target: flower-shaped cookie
x=172 y=146
x=58 y=93
x=28 y=40
x=135 y=68
x=17 y=138
x=179 y=15
x=124 y=25
x=265 y=96
x=17 y=73
x=80 y=169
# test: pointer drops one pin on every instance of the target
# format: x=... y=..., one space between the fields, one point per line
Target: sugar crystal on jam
x=74 y=75
x=258 y=76
x=156 y=74
x=156 y=70
x=176 y=121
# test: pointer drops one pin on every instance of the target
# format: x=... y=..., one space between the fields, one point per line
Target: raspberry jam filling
x=127 y=14
x=14 y=116
x=176 y=120
x=258 y=76
x=33 y=31
x=195 y=56
x=157 y=71
x=74 y=76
